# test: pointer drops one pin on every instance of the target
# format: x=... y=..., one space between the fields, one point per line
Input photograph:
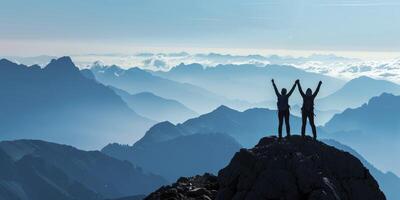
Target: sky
x=125 y=26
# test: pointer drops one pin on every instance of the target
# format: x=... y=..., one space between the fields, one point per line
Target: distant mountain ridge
x=135 y=80
x=246 y=127
x=356 y=92
x=37 y=170
x=248 y=82
x=372 y=129
x=179 y=155
x=157 y=108
x=219 y=133
x=57 y=103
x=254 y=123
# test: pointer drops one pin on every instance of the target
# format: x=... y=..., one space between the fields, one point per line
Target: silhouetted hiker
x=307 y=111
x=283 y=107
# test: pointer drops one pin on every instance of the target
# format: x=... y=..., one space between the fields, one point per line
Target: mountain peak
x=163 y=125
x=194 y=67
x=223 y=108
x=4 y=61
x=158 y=133
x=63 y=64
x=368 y=80
x=98 y=63
x=384 y=100
x=62 y=60
x=363 y=78
x=7 y=63
x=290 y=169
x=296 y=169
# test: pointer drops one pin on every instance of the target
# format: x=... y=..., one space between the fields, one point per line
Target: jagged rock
x=193 y=188
x=296 y=169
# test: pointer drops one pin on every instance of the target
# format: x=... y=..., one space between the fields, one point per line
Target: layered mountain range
x=90 y=108
x=37 y=170
x=57 y=103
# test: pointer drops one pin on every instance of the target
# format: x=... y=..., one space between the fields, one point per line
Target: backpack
x=283 y=103
x=308 y=104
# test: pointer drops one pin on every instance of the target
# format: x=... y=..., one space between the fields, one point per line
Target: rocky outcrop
x=296 y=169
x=193 y=188
x=291 y=169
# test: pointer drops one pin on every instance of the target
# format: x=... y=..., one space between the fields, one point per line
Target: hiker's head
x=283 y=91
x=309 y=92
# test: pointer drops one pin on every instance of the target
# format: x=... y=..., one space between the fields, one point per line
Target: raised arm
x=291 y=90
x=276 y=89
x=317 y=90
x=300 y=89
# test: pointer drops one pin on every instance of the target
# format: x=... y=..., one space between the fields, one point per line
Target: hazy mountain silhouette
x=165 y=146
x=253 y=123
x=37 y=170
x=57 y=103
x=372 y=129
x=34 y=60
x=160 y=132
x=135 y=80
x=248 y=82
x=179 y=155
x=246 y=127
x=388 y=182
x=154 y=107
x=357 y=92
x=88 y=74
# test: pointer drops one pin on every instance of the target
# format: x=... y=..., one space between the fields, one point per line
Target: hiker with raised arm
x=307 y=111
x=283 y=108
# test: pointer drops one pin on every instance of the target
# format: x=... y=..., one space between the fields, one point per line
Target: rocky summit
x=291 y=169
x=193 y=188
x=296 y=169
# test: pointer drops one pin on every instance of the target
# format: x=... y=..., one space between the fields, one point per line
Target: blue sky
x=344 y=25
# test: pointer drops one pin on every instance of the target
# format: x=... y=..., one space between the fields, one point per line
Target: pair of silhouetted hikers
x=307 y=110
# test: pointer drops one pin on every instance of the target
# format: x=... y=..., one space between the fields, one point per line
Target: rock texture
x=193 y=188
x=296 y=169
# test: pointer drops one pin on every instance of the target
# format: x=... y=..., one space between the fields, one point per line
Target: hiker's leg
x=303 y=124
x=287 y=122
x=314 y=129
x=280 y=117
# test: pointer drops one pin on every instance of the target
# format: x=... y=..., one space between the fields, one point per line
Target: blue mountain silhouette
x=246 y=127
x=372 y=129
x=135 y=80
x=357 y=92
x=248 y=82
x=57 y=103
x=174 y=155
x=37 y=170
x=240 y=125
x=211 y=138
x=155 y=107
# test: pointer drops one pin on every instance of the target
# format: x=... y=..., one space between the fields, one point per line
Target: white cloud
x=328 y=64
